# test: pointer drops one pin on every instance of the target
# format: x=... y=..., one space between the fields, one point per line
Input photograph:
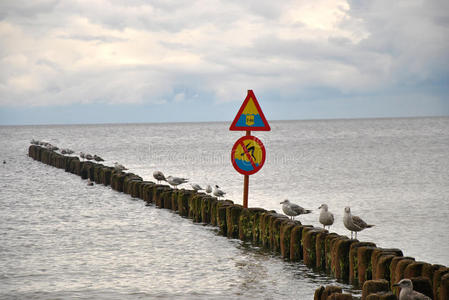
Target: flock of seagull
x=351 y=222
x=175 y=181
x=82 y=155
x=326 y=218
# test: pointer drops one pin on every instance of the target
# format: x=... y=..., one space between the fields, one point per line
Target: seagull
x=88 y=156
x=175 y=181
x=407 y=292
x=196 y=187
x=354 y=223
x=68 y=151
x=97 y=158
x=119 y=167
x=82 y=155
x=34 y=142
x=293 y=210
x=159 y=176
x=217 y=192
x=208 y=189
x=326 y=217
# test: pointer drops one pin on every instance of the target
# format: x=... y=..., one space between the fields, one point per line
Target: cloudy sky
x=103 y=61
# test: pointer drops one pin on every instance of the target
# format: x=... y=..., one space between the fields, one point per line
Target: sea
x=62 y=239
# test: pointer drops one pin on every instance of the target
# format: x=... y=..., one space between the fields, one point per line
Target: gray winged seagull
x=119 y=167
x=407 y=292
x=326 y=217
x=159 y=176
x=208 y=189
x=292 y=210
x=354 y=223
x=217 y=192
x=196 y=187
x=175 y=181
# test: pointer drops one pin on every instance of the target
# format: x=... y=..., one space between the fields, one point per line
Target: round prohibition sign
x=248 y=155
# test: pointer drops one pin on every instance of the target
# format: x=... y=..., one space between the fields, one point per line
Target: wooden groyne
x=362 y=264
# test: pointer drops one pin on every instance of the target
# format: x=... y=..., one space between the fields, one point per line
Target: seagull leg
x=356 y=235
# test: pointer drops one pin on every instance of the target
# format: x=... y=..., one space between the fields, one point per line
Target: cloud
x=151 y=52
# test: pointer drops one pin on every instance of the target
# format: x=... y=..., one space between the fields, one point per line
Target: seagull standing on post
x=175 y=181
x=326 y=217
x=217 y=192
x=159 y=176
x=292 y=210
x=354 y=223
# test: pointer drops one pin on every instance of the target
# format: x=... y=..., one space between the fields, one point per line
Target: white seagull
x=354 y=223
x=159 y=176
x=196 y=187
x=407 y=292
x=119 y=167
x=326 y=217
x=217 y=192
x=175 y=181
x=208 y=189
x=293 y=210
x=82 y=155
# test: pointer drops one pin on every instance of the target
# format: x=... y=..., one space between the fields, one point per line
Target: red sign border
x=262 y=116
x=234 y=148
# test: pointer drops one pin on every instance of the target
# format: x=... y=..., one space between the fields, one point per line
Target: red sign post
x=248 y=153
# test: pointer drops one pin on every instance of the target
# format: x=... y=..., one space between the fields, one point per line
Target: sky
x=116 y=61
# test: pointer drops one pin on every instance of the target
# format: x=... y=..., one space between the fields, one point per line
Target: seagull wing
x=418 y=296
x=359 y=222
x=298 y=209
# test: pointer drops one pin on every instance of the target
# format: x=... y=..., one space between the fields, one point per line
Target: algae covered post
x=248 y=153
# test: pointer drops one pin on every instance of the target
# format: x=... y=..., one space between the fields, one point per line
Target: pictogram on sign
x=248 y=155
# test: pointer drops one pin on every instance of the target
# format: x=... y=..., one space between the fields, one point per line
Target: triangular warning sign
x=250 y=116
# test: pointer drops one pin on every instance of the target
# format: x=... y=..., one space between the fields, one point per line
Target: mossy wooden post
x=107 y=172
x=265 y=228
x=275 y=236
x=340 y=257
x=377 y=253
x=374 y=286
x=286 y=232
x=221 y=216
x=309 y=245
x=353 y=261
x=443 y=292
x=213 y=211
x=329 y=242
x=383 y=266
x=255 y=216
x=414 y=269
x=183 y=202
x=364 y=267
x=232 y=220
x=206 y=209
x=437 y=282
x=197 y=214
x=321 y=250
x=174 y=199
x=296 y=251
x=157 y=194
x=245 y=233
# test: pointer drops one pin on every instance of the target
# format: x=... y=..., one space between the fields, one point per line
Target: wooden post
x=246 y=183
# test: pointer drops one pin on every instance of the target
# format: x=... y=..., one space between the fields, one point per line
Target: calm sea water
x=61 y=239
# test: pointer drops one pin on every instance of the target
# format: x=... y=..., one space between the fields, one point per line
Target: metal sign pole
x=246 y=183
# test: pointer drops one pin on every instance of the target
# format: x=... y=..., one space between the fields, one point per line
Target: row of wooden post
x=362 y=264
